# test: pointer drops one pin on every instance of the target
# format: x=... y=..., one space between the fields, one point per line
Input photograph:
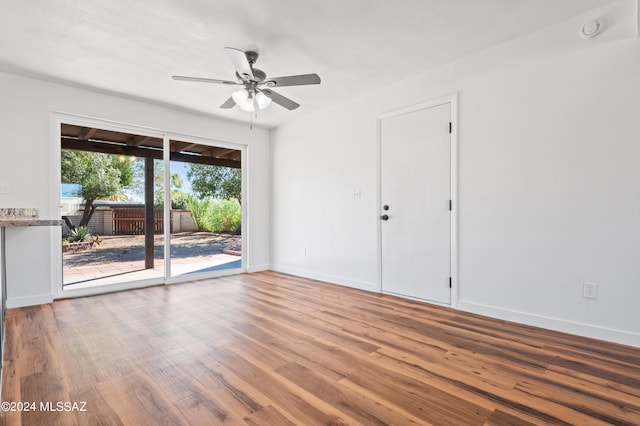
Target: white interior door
x=415 y=196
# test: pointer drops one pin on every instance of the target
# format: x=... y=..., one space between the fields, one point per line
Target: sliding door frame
x=56 y=120
x=168 y=137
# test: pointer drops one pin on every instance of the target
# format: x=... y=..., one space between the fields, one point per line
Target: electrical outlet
x=4 y=187
x=303 y=252
x=590 y=291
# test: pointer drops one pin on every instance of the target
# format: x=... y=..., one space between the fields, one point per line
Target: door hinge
x=450 y=205
x=450 y=127
x=449 y=282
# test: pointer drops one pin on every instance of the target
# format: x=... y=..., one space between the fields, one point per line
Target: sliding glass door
x=146 y=209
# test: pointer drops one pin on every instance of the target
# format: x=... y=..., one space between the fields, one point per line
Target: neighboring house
x=70 y=202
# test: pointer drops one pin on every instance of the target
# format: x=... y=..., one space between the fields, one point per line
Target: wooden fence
x=130 y=221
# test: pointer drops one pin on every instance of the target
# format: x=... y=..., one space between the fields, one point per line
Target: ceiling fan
x=256 y=93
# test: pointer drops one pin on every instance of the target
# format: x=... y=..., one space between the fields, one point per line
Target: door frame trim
x=452 y=100
x=244 y=224
x=56 y=120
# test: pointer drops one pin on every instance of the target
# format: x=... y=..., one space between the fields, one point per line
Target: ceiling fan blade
x=280 y=100
x=293 y=80
x=239 y=60
x=202 y=80
x=229 y=103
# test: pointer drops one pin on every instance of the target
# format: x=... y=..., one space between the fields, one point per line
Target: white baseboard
x=571 y=327
x=361 y=285
x=39 y=299
x=258 y=268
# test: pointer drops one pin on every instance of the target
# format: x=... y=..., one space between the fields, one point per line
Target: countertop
x=12 y=217
x=8 y=223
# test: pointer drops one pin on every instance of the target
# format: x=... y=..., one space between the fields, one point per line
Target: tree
x=100 y=176
x=215 y=181
x=137 y=190
x=176 y=184
x=178 y=198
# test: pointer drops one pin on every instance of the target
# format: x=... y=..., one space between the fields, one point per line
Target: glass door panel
x=112 y=203
x=206 y=214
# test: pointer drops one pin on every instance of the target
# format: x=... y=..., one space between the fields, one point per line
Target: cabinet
x=3 y=291
x=10 y=217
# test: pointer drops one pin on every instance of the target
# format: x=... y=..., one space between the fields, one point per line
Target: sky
x=181 y=169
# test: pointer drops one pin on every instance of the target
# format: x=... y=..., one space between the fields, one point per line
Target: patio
x=121 y=258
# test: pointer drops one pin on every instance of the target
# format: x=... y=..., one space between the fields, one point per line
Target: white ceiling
x=132 y=47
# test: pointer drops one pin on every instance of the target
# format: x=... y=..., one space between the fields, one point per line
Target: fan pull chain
x=255 y=109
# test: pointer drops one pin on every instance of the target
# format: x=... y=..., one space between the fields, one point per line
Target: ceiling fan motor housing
x=259 y=75
x=252 y=56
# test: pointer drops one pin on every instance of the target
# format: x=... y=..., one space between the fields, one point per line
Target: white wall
x=27 y=150
x=549 y=154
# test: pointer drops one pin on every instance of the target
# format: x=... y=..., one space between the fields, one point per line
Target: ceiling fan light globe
x=240 y=96
x=263 y=100
x=247 y=106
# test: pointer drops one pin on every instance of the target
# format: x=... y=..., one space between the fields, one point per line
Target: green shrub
x=225 y=216
x=199 y=211
x=216 y=216
x=79 y=235
x=179 y=201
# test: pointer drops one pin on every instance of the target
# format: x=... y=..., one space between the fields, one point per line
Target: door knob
x=384 y=217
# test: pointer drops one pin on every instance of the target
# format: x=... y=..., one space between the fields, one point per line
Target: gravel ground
x=125 y=248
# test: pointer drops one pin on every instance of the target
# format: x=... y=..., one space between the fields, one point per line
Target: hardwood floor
x=272 y=349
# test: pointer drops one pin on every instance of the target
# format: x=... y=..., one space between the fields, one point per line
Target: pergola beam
x=87 y=132
x=136 y=140
x=221 y=152
x=187 y=147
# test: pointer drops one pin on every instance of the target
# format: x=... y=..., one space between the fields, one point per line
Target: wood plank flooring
x=272 y=349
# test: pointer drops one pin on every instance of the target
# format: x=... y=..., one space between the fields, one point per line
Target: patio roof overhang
x=111 y=142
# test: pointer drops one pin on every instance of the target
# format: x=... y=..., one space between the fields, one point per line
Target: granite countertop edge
x=30 y=222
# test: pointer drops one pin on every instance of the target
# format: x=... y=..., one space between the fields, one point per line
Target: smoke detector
x=590 y=29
